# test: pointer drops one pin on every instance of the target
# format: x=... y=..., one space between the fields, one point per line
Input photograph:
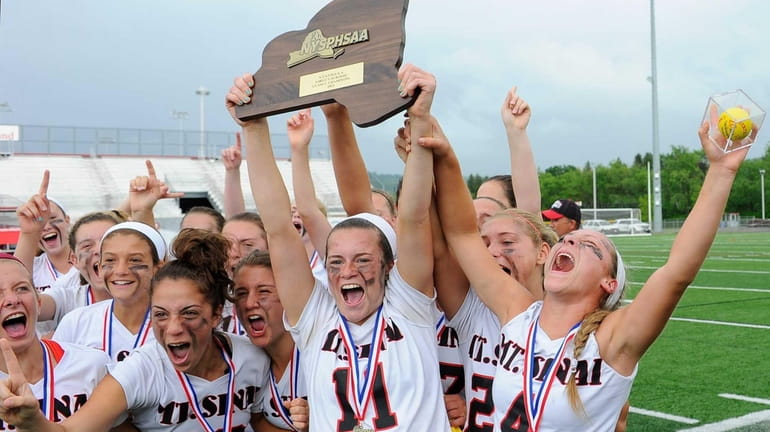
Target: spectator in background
x=564 y=215
x=205 y=218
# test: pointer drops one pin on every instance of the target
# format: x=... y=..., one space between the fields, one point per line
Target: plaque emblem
x=317 y=45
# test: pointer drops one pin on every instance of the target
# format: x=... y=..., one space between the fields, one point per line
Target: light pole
x=657 y=225
x=202 y=91
x=762 y=188
x=593 y=174
x=180 y=116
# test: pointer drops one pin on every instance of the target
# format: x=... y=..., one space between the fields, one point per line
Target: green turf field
x=710 y=369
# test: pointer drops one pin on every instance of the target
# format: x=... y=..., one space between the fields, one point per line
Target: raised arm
x=300 y=131
x=32 y=217
x=451 y=284
x=526 y=185
x=634 y=328
x=415 y=257
x=504 y=296
x=144 y=192
x=231 y=159
x=349 y=168
x=289 y=260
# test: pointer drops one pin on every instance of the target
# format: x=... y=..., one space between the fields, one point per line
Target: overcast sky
x=582 y=65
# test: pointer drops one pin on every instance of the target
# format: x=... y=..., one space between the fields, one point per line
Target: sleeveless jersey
x=89 y=326
x=478 y=332
x=602 y=390
x=77 y=372
x=158 y=402
x=406 y=389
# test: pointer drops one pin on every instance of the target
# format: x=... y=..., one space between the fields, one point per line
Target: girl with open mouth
x=368 y=338
x=568 y=362
x=192 y=377
x=61 y=376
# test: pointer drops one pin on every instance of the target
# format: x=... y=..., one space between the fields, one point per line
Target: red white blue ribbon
x=51 y=268
x=49 y=404
x=535 y=403
x=236 y=327
x=89 y=296
x=141 y=335
x=314 y=259
x=362 y=383
x=192 y=397
x=293 y=371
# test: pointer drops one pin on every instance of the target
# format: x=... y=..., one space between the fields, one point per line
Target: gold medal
x=360 y=428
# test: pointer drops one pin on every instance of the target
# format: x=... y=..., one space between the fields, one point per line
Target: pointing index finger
x=15 y=374
x=150 y=169
x=44 y=184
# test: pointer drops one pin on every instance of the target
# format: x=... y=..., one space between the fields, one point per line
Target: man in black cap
x=564 y=215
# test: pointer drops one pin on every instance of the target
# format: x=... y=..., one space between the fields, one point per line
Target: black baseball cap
x=563 y=208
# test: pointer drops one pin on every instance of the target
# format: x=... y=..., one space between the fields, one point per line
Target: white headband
x=58 y=203
x=151 y=233
x=612 y=300
x=382 y=225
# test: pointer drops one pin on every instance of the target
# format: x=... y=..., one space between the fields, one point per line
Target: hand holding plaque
x=349 y=53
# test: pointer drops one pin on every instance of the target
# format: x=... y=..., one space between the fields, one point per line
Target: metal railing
x=93 y=141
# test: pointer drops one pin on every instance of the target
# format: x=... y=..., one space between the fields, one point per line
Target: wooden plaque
x=350 y=52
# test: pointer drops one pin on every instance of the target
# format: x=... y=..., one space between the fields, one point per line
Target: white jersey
x=78 y=370
x=449 y=357
x=318 y=267
x=156 y=396
x=478 y=332
x=602 y=390
x=406 y=389
x=68 y=298
x=284 y=392
x=90 y=326
x=46 y=278
x=44 y=274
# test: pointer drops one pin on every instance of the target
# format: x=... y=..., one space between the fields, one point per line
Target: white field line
x=744 y=398
x=732 y=423
x=758 y=290
x=663 y=258
x=664 y=416
x=709 y=270
x=724 y=323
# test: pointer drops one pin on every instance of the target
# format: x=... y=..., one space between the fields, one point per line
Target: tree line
x=619 y=185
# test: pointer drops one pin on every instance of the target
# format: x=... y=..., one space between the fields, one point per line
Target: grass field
x=710 y=369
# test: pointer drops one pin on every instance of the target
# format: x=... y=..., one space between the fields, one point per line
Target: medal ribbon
x=48 y=407
x=293 y=371
x=89 y=296
x=314 y=259
x=51 y=268
x=192 y=397
x=362 y=386
x=535 y=404
x=141 y=335
x=237 y=328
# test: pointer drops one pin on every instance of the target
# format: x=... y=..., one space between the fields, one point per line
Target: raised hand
x=299 y=128
x=299 y=411
x=231 y=156
x=438 y=143
x=34 y=214
x=718 y=158
x=402 y=144
x=145 y=191
x=239 y=94
x=18 y=405
x=515 y=111
x=413 y=78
